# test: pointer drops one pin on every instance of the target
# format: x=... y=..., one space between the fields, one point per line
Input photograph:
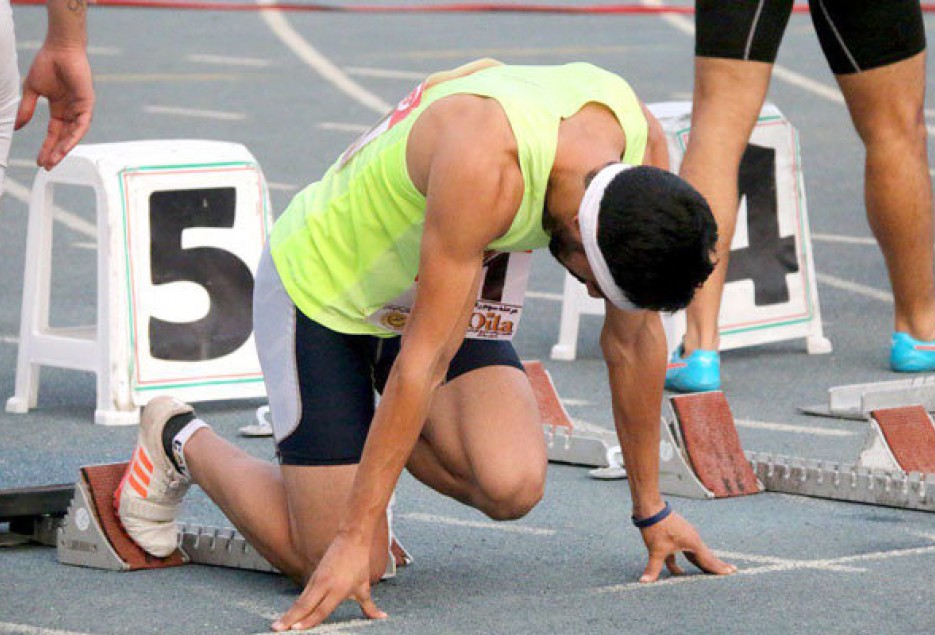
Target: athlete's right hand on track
x=342 y=574
x=672 y=535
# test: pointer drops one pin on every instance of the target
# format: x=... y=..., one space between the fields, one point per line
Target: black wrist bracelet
x=643 y=523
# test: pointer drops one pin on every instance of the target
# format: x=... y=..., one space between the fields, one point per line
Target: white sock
x=180 y=439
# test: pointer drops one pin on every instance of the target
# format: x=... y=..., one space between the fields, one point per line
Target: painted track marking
x=219 y=115
x=21 y=193
x=280 y=27
x=774 y=565
x=476 y=524
x=227 y=60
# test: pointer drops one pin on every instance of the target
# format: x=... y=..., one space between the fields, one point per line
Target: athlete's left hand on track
x=63 y=76
x=342 y=574
x=672 y=535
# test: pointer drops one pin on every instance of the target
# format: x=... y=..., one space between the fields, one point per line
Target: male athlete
x=484 y=158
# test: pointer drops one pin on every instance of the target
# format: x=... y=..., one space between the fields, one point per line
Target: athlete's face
x=566 y=246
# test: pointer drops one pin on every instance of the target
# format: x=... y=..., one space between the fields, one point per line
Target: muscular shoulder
x=463 y=147
x=473 y=127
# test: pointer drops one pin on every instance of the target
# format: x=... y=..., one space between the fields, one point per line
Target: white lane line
x=462 y=54
x=141 y=78
x=9 y=339
x=827 y=564
x=226 y=60
x=22 y=163
x=787 y=427
x=319 y=63
x=475 y=524
x=854 y=287
x=384 y=73
x=342 y=127
x=265 y=612
x=219 y=115
x=844 y=240
x=26 y=629
x=35 y=45
x=69 y=220
x=576 y=402
x=681 y=96
x=284 y=187
x=544 y=295
x=85 y=245
x=335 y=627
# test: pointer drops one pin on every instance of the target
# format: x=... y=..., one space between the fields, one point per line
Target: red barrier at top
x=610 y=9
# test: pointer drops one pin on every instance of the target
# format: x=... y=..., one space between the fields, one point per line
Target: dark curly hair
x=657 y=234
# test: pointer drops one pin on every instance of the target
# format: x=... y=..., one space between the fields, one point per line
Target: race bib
x=499 y=303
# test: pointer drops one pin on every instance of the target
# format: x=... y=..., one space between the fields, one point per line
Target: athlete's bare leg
x=886 y=105
x=728 y=95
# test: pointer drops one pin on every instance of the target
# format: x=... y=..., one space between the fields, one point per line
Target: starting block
x=700 y=455
x=857 y=401
x=33 y=513
x=900 y=439
x=91 y=535
x=563 y=443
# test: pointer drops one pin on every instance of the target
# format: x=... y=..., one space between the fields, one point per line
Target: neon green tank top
x=349 y=244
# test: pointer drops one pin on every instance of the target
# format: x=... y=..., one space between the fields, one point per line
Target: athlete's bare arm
x=463 y=158
x=634 y=347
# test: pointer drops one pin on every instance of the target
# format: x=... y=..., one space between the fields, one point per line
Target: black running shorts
x=855 y=35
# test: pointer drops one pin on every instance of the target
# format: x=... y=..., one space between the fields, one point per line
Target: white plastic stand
x=153 y=256
x=748 y=316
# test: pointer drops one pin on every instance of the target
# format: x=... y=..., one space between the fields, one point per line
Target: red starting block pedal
x=900 y=439
x=700 y=452
x=92 y=535
x=563 y=443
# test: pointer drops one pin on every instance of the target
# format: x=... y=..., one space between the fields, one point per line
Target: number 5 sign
x=180 y=228
x=193 y=235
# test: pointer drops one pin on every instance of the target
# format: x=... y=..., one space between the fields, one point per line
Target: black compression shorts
x=337 y=375
x=855 y=35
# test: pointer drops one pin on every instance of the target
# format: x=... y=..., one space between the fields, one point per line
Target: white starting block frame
x=181 y=225
x=749 y=315
x=857 y=401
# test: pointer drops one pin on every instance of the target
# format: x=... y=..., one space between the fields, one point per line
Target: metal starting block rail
x=857 y=401
x=564 y=444
x=845 y=481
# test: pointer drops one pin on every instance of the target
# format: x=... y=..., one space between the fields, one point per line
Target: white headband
x=587 y=222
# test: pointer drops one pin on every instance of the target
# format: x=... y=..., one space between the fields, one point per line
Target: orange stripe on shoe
x=136 y=486
x=140 y=474
x=141 y=453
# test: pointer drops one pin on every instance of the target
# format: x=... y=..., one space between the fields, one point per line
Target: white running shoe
x=150 y=494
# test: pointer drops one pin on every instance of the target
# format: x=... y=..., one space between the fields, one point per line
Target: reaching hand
x=672 y=535
x=343 y=573
x=63 y=76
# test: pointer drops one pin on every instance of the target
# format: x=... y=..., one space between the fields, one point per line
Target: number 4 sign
x=771 y=293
